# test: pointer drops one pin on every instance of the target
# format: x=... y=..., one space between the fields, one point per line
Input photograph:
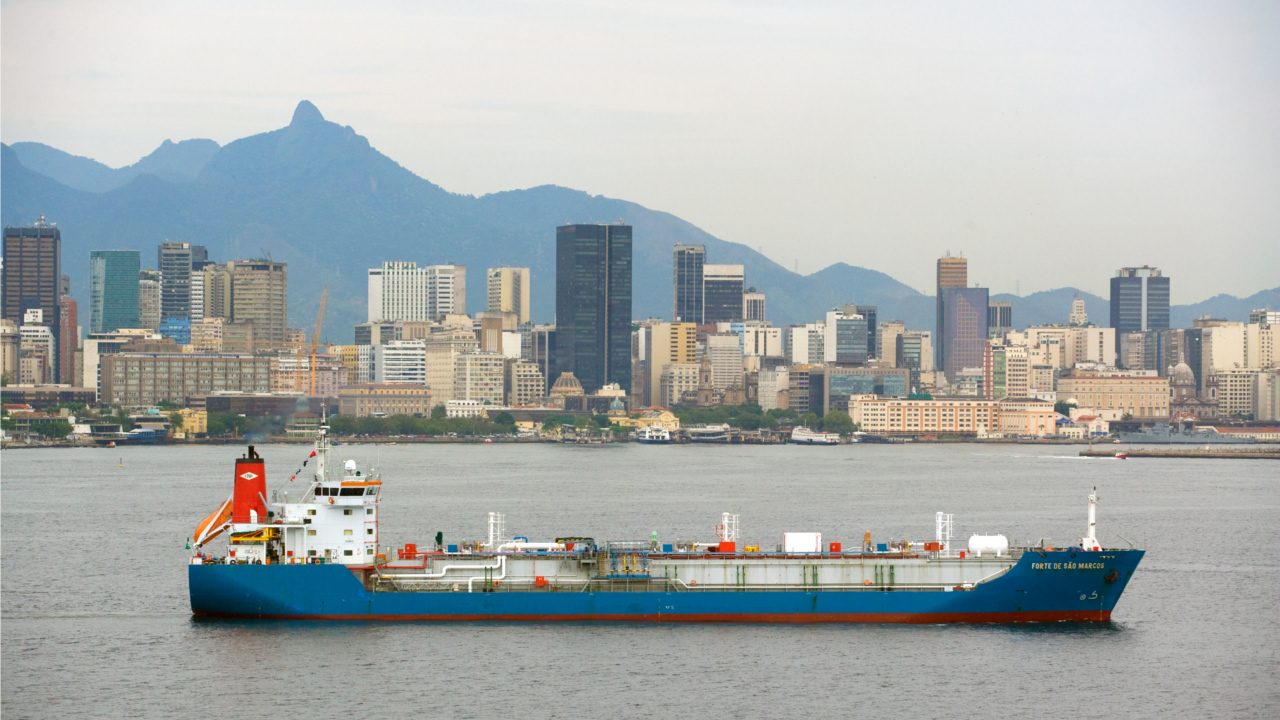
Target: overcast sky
x=1051 y=143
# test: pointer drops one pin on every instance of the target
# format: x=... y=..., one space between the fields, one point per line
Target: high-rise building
x=69 y=332
x=869 y=313
x=403 y=291
x=509 y=292
x=149 y=299
x=442 y=352
x=113 y=289
x=887 y=342
x=524 y=383
x=1264 y=317
x=667 y=343
x=1139 y=300
x=260 y=295
x=953 y=272
x=999 y=318
x=723 y=288
x=198 y=279
x=174 y=260
x=846 y=338
x=725 y=353
x=542 y=351
x=38 y=349
x=964 y=328
x=1078 y=315
x=480 y=375
x=593 y=304
x=686 y=283
x=753 y=306
x=915 y=350
x=33 y=275
x=401 y=361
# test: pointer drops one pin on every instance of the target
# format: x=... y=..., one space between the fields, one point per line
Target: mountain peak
x=306 y=114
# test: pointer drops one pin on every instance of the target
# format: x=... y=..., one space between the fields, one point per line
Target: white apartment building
x=675 y=381
x=364 y=365
x=725 y=353
x=761 y=341
x=464 y=408
x=771 y=383
x=1236 y=390
x=403 y=291
x=805 y=343
x=400 y=362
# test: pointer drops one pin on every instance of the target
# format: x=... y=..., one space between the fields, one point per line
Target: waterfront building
x=523 y=384
x=32 y=277
x=964 y=328
x=724 y=352
x=142 y=380
x=831 y=387
x=464 y=409
x=113 y=289
x=1139 y=300
x=402 y=362
x=509 y=291
x=593 y=304
x=915 y=350
x=845 y=340
x=687 y=263
x=99 y=344
x=953 y=272
x=372 y=400
x=1236 y=389
x=899 y=416
x=480 y=375
x=403 y=291
x=174 y=261
x=1023 y=416
x=442 y=352
x=723 y=287
x=753 y=306
x=1142 y=395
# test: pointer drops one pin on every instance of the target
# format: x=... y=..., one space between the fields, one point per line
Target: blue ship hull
x=1041 y=587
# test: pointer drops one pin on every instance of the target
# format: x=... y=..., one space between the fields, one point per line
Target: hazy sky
x=1051 y=143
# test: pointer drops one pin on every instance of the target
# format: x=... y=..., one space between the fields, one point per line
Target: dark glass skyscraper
x=869 y=312
x=113 y=289
x=593 y=304
x=33 y=277
x=1139 y=300
x=953 y=272
x=686 y=283
x=964 y=329
x=722 y=289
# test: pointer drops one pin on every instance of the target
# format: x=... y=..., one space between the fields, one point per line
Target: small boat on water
x=653 y=435
x=805 y=436
x=1122 y=456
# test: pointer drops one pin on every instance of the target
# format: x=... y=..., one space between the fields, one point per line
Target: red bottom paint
x=786 y=618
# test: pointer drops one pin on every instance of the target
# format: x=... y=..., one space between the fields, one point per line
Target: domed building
x=566 y=386
x=1184 y=402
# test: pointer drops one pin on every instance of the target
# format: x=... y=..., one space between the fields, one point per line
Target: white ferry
x=653 y=435
x=805 y=436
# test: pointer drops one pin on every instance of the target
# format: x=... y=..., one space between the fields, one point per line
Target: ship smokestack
x=250 y=489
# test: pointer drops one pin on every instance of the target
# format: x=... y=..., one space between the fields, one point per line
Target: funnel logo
x=248 y=476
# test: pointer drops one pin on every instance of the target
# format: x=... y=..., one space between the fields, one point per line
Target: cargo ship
x=314 y=553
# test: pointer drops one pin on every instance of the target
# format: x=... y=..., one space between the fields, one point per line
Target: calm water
x=96 y=618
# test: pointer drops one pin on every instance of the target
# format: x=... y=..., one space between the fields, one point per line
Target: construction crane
x=315 y=337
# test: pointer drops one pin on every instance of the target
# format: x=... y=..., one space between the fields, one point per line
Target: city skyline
x=1134 y=150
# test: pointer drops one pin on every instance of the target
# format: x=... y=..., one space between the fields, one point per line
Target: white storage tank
x=988 y=545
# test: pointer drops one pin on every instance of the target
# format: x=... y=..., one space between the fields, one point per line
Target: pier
x=1253 y=453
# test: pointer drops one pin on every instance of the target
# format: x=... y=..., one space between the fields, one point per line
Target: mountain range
x=319 y=196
